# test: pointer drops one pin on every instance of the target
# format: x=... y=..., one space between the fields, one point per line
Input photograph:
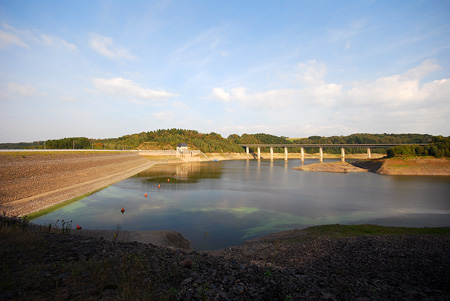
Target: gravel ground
x=58 y=266
x=33 y=181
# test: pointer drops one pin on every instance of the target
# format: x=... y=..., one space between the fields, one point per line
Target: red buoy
x=78 y=227
x=123 y=210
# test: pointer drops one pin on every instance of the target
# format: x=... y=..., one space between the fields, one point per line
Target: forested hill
x=167 y=139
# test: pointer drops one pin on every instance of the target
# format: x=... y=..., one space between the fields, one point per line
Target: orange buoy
x=123 y=210
x=168 y=180
x=78 y=227
x=145 y=194
x=159 y=186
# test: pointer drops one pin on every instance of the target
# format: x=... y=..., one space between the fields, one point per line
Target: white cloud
x=164 y=116
x=68 y=98
x=388 y=91
x=180 y=105
x=400 y=89
x=7 y=38
x=56 y=42
x=126 y=88
x=105 y=46
x=24 y=90
x=219 y=93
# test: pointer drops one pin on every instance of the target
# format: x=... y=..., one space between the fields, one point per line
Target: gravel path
x=34 y=181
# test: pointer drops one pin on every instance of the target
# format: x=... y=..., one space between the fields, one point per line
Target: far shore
x=413 y=166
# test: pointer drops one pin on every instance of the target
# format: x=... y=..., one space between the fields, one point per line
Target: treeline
x=22 y=145
x=168 y=139
x=69 y=143
x=351 y=139
x=439 y=147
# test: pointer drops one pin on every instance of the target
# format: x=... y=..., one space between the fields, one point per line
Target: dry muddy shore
x=392 y=167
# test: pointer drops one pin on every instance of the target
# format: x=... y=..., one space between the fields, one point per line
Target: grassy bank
x=359 y=230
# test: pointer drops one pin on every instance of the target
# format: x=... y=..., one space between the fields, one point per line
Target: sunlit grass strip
x=55 y=207
x=366 y=229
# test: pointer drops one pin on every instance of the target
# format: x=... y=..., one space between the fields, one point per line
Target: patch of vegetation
x=439 y=147
x=55 y=207
x=359 y=230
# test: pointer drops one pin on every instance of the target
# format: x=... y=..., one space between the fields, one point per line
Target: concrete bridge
x=320 y=146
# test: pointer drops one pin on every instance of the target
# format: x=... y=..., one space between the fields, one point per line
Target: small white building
x=182 y=147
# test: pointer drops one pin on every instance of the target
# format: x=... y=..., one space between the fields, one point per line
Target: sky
x=104 y=69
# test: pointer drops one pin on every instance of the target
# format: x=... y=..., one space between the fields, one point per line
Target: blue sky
x=103 y=69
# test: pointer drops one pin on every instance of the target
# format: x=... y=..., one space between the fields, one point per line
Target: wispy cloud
x=7 y=38
x=54 y=41
x=22 y=38
x=201 y=49
x=354 y=29
x=106 y=46
x=24 y=90
x=315 y=91
x=128 y=89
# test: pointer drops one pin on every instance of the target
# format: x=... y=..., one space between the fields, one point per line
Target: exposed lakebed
x=233 y=201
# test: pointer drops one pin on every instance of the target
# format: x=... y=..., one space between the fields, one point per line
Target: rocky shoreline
x=38 y=264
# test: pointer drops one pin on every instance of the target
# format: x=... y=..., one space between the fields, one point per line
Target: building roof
x=182 y=144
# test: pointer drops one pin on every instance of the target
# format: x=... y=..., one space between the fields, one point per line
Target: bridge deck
x=327 y=145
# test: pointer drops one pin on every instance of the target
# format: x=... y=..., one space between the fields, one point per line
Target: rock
x=186 y=281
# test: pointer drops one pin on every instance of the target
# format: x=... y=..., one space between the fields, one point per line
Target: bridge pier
x=259 y=153
x=302 y=150
x=271 y=153
x=342 y=154
x=247 y=150
x=369 y=154
x=285 y=154
x=321 y=154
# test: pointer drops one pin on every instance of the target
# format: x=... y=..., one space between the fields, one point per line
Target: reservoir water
x=222 y=204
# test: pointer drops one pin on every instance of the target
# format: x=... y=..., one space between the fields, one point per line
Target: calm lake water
x=238 y=200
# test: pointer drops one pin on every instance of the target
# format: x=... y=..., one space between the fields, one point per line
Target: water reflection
x=238 y=200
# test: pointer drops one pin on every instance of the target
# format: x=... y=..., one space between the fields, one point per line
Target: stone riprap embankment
x=283 y=266
x=31 y=181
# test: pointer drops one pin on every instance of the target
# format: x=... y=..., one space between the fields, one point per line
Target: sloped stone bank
x=59 y=266
x=34 y=181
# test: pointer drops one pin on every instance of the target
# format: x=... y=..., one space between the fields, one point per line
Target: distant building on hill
x=182 y=147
